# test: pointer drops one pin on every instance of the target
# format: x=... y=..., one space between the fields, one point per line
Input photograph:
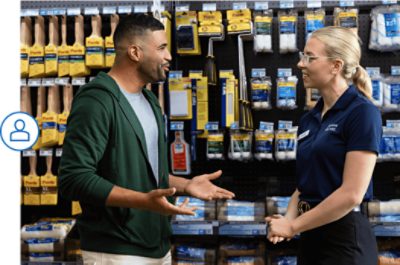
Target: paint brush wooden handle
x=26 y=31
x=67 y=97
x=39 y=31
x=114 y=20
x=53 y=30
x=41 y=101
x=79 y=30
x=96 y=26
x=64 y=30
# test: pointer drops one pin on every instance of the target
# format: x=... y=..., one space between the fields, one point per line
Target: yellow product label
x=76 y=208
x=49 y=131
x=347 y=14
x=49 y=198
x=210 y=16
x=226 y=74
x=202 y=89
x=239 y=14
x=260 y=86
x=315 y=17
x=31 y=199
x=185 y=18
x=109 y=51
x=95 y=52
x=63 y=61
x=215 y=138
x=48 y=180
x=202 y=116
x=50 y=60
x=32 y=181
x=264 y=136
x=263 y=19
x=240 y=137
x=195 y=75
x=210 y=29
x=36 y=61
x=62 y=127
x=24 y=51
x=281 y=136
x=239 y=26
x=77 y=65
x=286 y=84
x=38 y=143
x=288 y=19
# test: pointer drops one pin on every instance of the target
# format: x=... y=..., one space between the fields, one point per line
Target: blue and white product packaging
x=384 y=208
x=260 y=89
x=347 y=18
x=287 y=31
x=286 y=92
x=244 y=260
x=389 y=149
x=240 y=145
x=277 y=205
x=232 y=210
x=284 y=260
x=215 y=145
x=263 y=30
x=385 y=28
x=286 y=144
x=58 y=231
x=42 y=245
x=205 y=209
x=315 y=19
x=242 y=252
x=377 y=85
x=264 y=140
x=42 y=257
x=391 y=93
x=193 y=254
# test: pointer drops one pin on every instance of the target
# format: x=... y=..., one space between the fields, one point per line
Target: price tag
x=235 y=125
x=62 y=81
x=59 y=11
x=239 y=6
x=91 y=11
x=258 y=72
x=373 y=71
x=175 y=74
x=282 y=125
x=210 y=7
x=35 y=82
x=314 y=3
x=109 y=10
x=261 y=5
x=59 y=152
x=29 y=12
x=141 y=9
x=176 y=126
x=395 y=70
x=74 y=11
x=389 y=2
x=285 y=4
x=212 y=126
x=23 y=81
x=344 y=3
x=28 y=153
x=46 y=152
x=46 y=12
x=125 y=9
x=266 y=126
x=182 y=8
x=284 y=72
x=78 y=81
x=48 y=81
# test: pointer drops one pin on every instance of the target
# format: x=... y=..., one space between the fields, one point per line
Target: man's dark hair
x=135 y=25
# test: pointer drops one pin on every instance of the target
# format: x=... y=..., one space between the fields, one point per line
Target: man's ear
x=134 y=52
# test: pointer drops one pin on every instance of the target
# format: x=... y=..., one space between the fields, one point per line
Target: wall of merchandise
x=232 y=101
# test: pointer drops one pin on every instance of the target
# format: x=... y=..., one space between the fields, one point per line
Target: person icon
x=19 y=135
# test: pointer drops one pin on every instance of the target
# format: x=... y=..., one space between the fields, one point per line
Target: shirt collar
x=342 y=103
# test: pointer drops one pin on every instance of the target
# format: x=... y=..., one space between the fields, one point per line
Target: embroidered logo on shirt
x=331 y=128
x=303 y=135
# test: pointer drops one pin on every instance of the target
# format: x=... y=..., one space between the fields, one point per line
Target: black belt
x=305 y=206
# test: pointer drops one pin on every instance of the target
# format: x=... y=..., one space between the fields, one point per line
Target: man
x=115 y=155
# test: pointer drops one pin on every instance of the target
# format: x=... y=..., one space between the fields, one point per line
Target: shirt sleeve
x=85 y=143
x=363 y=130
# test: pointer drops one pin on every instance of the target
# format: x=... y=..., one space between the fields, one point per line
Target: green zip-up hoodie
x=105 y=146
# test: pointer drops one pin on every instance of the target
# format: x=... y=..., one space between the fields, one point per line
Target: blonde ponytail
x=362 y=81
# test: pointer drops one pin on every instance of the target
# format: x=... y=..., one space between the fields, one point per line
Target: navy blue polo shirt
x=352 y=124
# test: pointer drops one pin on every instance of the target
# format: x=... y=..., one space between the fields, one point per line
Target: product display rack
x=253 y=180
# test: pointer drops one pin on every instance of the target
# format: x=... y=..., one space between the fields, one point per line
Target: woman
x=338 y=143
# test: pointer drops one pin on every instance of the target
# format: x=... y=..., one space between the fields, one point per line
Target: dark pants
x=347 y=241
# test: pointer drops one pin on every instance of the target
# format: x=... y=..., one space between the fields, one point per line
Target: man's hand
x=201 y=187
x=156 y=201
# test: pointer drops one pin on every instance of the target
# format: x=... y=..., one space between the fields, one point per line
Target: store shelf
x=243 y=229
x=194 y=227
x=388 y=229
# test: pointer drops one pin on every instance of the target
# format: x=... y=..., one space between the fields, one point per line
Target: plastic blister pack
x=385 y=28
x=287 y=31
x=263 y=31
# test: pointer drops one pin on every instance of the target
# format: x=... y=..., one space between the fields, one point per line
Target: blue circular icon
x=19 y=131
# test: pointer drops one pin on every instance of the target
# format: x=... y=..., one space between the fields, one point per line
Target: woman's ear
x=337 y=66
